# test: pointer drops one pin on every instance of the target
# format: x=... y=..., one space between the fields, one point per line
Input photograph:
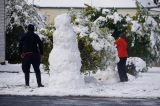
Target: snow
x=136 y=26
x=155 y=10
x=105 y=11
x=137 y=62
x=145 y=86
x=95 y=3
x=22 y=14
x=65 y=78
x=116 y=17
x=64 y=59
x=97 y=44
x=152 y=24
x=147 y=3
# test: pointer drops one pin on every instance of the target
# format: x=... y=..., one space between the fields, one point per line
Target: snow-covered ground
x=146 y=85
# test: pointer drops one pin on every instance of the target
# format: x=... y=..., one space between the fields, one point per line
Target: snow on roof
x=95 y=3
x=156 y=9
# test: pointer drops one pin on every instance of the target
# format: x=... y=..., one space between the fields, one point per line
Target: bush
x=18 y=15
x=47 y=44
x=136 y=65
x=91 y=59
x=12 y=42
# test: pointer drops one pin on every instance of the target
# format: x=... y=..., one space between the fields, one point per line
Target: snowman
x=64 y=59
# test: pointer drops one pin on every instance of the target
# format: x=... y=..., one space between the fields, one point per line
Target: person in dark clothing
x=122 y=54
x=31 y=49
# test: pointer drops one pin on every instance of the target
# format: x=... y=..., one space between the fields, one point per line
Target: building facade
x=2 y=31
x=52 y=12
x=52 y=8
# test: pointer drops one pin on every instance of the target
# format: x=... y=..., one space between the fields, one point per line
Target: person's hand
x=41 y=58
x=22 y=55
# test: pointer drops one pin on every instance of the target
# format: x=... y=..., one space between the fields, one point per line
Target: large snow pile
x=64 y=59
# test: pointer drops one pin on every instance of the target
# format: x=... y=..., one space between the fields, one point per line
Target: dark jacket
x=30 y=42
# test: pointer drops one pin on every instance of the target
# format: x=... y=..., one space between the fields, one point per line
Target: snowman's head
x=62 y=20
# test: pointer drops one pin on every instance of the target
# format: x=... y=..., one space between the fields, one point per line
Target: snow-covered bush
x=47 y=39
x=136 y=65
x=95 y=25
x=18 y=15
x=95 y=41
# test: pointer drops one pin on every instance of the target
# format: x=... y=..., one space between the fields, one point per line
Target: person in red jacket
x=121 y=46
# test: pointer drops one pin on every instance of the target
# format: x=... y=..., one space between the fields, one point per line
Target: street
x=73 y=101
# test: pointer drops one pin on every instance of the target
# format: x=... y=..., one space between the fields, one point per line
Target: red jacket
x=121 y=47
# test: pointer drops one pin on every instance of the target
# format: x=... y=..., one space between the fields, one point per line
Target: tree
x=144 y=38
x=156 y=1
x=95 y=25
x=94 y=38
x=19 y=15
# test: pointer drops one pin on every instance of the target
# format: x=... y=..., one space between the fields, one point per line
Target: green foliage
x=131 y=69
x=139 y=43
x=141 y=13
x=142 y=42
x=47 y=45
x=18 y=15
x=140 y=48
x=91 y=59
x=92 y=12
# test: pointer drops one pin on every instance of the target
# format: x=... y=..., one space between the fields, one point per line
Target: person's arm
x=21 y=44
x=40 y=44
x=116 y=43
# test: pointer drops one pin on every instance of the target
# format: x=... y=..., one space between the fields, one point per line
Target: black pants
x=33 y=59
x=122 y=69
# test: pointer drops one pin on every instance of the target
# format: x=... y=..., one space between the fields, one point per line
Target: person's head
x=31 y=27
x=122 y=35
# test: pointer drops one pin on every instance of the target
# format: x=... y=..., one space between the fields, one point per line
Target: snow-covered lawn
x=146 y=85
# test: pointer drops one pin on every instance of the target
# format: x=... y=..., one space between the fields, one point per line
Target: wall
x=2 y=30
x=51 y=13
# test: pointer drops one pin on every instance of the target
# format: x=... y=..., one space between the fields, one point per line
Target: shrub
x=136 y=65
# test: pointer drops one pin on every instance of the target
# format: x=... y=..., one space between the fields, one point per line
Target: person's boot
x=40 y=85
x=38 y=75
x=123 y=80
x=27 y=79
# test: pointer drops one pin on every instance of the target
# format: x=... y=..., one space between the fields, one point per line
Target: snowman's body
x=64 y=59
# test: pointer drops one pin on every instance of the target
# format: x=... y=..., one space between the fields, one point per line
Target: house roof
x=95 y=3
